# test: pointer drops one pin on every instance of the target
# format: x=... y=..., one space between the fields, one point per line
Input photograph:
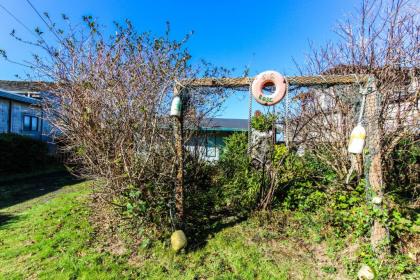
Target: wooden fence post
x=179 y=150
x=379 y=233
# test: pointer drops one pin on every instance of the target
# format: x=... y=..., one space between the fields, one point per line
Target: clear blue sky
x=264 y=35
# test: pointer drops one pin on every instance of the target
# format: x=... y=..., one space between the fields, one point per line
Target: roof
x=24 y=86
x=18 y=97
x=221 y=124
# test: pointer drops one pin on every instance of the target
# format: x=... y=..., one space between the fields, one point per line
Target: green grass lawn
x=50 y=237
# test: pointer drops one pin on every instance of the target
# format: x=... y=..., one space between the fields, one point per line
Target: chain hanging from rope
x=286 y=117
x=249 y=117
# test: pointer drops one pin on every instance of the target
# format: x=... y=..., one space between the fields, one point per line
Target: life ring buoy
x=264 y=79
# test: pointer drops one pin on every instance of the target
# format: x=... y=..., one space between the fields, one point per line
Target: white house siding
x=204 y=153
x=19 y=110
x=208 y=146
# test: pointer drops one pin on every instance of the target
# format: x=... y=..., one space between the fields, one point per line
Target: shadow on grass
x=6 y=218
x=19 y=190
x=202 y=226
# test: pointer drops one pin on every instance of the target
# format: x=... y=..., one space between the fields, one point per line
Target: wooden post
x=179 y=150
x=379 y=234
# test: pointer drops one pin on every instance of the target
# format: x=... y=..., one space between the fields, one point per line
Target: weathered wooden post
x=379 y=233
x=177 y=113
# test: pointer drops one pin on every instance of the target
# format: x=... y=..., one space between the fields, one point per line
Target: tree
x=380 y=40
x=109 y=99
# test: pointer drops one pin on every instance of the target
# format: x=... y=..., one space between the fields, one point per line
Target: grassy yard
x=49 y=236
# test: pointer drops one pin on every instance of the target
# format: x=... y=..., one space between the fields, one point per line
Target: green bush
x=240 y=183
x=402 y=168
x=263 y=122
x=402 y=177
x=22 y=154
x=309 y=188
x=300 y=178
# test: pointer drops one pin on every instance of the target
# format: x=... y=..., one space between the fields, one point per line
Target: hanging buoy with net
x=357 y=140
x=358 y=134
x=265 y=79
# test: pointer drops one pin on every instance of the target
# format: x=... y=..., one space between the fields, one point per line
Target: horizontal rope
x=211 y=82
x=293 y=80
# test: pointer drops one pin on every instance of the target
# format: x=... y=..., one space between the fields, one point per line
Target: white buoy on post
x=176 y=106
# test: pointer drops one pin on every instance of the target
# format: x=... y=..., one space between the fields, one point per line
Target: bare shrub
x=381 y=40
x=109 y=102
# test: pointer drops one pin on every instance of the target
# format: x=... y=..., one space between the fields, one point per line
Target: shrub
x=402 y=168
x=240 y=183
x=263 y=122
x=22 y=154
x=112 y=109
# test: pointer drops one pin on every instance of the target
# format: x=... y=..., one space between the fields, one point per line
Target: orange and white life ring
x=267 y=78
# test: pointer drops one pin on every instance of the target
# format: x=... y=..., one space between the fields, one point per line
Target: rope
x=249 y=117
x=171 y=206
x=367 y=157
x=243 y=82
x=178 y=90
x=179 y=84
x=364 y=91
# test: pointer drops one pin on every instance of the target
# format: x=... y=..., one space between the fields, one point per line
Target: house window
x=210 y=151
x=211 y=147
x=30 y=123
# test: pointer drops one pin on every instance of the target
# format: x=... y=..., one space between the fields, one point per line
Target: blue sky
x=263 y=35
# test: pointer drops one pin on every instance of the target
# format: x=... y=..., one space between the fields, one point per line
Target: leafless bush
x=381 y=39
x=110 y=106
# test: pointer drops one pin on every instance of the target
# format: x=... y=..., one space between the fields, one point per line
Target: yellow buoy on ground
x=178 y=240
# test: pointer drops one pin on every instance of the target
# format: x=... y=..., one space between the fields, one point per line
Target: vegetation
x=263 y=122
x=54 y=235
x=310 y=192
x=22 y=154
x=112 y=107
x=243 y=212
x=239 y=183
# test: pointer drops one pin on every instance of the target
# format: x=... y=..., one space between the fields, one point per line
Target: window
x=211 y=147
x=30 y=123
x=210 y=151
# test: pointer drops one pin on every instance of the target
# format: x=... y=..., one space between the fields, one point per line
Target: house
x=22 y=113
x=209 y=141
x=329 y=113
